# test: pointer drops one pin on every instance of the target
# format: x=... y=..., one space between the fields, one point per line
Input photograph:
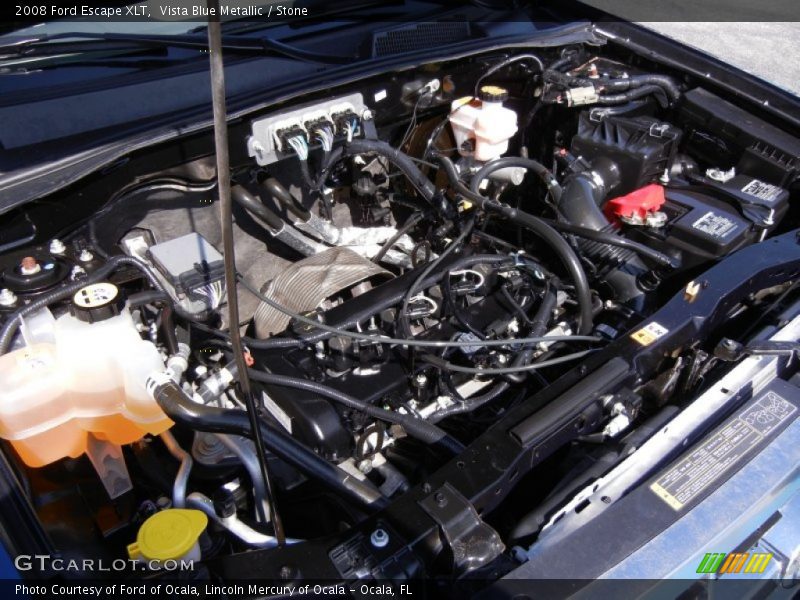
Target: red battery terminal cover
x=637 y=206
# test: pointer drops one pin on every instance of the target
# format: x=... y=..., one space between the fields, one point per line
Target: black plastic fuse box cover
x=763 y=203
x=763 y=150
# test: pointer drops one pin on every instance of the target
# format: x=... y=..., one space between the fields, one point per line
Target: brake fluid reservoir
x=495 y=125
x=90 y=380
x=482 y=126
x=464 y=113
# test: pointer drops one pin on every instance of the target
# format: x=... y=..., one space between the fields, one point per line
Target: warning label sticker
x=649 y=333
x=722 y=450
x=715 y=225
x=761 y=190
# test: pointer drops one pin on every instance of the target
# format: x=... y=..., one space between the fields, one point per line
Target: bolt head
x=85 y=255
x=379 y=538
x=286 y=572
x=57 y=247
x=7 y=297
x=656 y=219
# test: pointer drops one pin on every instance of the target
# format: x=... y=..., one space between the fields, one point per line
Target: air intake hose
x=584 y=194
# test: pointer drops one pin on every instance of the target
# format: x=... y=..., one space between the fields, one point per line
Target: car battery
x=697 y=227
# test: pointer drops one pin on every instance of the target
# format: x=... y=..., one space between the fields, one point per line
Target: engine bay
x=421 y=258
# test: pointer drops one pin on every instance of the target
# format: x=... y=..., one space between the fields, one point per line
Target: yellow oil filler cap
x=170 y=534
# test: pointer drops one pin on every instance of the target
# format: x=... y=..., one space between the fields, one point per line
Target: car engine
x=420 y=256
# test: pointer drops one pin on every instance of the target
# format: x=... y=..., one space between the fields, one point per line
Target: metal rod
x=226 y=217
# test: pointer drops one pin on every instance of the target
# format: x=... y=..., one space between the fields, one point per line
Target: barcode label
x=714 y=225
x=761 y=190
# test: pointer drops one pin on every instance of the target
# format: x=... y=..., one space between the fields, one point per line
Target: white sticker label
x=650 y=333
x=276 y=411
x=722 y=451
x=380 y=95
x=762 y=191
x=714 y=225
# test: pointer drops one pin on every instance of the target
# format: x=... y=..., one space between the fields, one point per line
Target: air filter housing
x=642 y=147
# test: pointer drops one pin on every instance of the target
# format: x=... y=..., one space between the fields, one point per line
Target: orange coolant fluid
x=91 y=380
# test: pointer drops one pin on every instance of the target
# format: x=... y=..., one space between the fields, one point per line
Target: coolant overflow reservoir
x=482 y=126
x=91 y=380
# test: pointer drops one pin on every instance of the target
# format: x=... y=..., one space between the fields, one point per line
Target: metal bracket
x=472 y=542
x=731 y=350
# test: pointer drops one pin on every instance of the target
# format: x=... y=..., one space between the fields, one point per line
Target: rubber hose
x=559 y=64
x=538 y=169
x=456 y=310
x=167 y=322
x=417 y=428
x=334 y=157
x=549 y=235
x=400 y=159
x=404 y=229
x=619 y=110
x=470 y=404
x=544 y=312
x=538 y=327
x=181 y=409
x=253 y=205
x=635 y=94
x=568 y=257
x=667 y=83
x=580 y=205
x=402 y=315
x=609 y=238
x=168 y=328
x=306 y=173
x=278 y=191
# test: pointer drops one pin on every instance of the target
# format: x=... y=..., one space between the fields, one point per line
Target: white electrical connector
x=433 y=86
x=581 y=96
